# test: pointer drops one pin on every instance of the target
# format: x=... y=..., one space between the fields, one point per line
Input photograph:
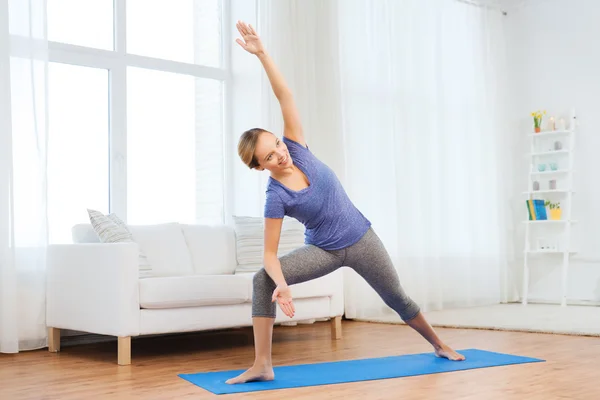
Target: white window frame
x=116 y=62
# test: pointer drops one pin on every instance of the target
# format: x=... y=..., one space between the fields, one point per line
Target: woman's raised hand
x=250 y=40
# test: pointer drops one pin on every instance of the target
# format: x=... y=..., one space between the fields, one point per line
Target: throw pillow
x=111 y=229
x=145 y=267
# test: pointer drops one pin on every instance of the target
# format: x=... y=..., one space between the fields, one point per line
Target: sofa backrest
x=175 y=249
x=212 y=248
x=250 y=238
x=165 y=247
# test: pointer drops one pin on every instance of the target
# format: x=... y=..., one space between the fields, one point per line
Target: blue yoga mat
x=355 y=371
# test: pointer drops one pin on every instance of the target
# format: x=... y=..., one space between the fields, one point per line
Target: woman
x=337 y=233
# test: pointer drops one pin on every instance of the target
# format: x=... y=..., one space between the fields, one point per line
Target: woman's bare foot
x=446 y=352
x=256 y=373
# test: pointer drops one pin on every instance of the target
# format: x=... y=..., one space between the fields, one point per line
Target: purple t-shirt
x=332 y=221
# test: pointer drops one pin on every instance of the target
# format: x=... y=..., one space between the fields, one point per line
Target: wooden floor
x=572 y=369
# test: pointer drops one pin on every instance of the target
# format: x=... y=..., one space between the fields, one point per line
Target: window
x=160 y=146
x=173 y=148
x=78 y=143
x=82 y=23
x=170 y=30
x=136 y=119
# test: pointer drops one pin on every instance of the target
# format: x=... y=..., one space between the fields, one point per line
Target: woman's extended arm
x=282 y=293
x=291 y=118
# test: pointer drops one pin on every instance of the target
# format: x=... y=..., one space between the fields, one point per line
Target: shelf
x=560 y=171
x=549 y=252
x=549 y=153
x=548 y=191
x=550 y=147
x=550 y=221
x=544 y=134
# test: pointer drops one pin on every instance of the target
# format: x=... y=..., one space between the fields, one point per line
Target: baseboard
x=503 y=322
x=533 y=300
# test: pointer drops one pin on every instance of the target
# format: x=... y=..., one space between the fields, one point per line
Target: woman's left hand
x=283 y=296
x=251 y=42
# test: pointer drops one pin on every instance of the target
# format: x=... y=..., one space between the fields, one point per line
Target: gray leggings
x=368 y=257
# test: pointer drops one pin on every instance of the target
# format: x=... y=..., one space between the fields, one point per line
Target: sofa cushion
x=249 y=234
x=323 y=286
x=212 y=248
x=193 y=291
x=165 y=247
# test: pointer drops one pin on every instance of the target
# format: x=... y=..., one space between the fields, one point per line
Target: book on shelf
x=536 y=210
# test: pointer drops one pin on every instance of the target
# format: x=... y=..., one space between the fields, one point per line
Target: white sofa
x=195 y=285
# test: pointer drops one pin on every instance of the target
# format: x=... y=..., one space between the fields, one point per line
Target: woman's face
x=271 y=153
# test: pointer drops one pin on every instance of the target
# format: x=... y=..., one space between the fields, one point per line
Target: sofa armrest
x=93 y=287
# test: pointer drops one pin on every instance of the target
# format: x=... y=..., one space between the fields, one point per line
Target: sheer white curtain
x=405 y=100
x=425 y=147
x=23 y=144
x=301 y=36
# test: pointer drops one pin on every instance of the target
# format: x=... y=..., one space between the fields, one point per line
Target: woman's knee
x=409 y=310
x=406 y=307
x=262 y=290
x=261 y=280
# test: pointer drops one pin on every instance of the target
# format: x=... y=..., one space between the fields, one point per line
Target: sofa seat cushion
x=320 y=287
x=193 y=291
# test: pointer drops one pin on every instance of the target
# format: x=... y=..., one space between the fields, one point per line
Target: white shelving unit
x=562 y=193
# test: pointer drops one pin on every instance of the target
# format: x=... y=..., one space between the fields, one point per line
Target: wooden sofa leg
x=124 y=348
x=336 y=328
x=53 y=340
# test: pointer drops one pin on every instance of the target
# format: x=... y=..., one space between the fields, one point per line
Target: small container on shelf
x=554 y=210
x=546 y=244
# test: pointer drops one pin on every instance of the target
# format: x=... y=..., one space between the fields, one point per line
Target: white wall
x=554 y=64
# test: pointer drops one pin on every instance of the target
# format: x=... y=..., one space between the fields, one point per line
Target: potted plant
x=554 y=210
x=537 y=119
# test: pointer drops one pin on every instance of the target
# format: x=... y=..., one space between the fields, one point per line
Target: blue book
x=540 y=209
